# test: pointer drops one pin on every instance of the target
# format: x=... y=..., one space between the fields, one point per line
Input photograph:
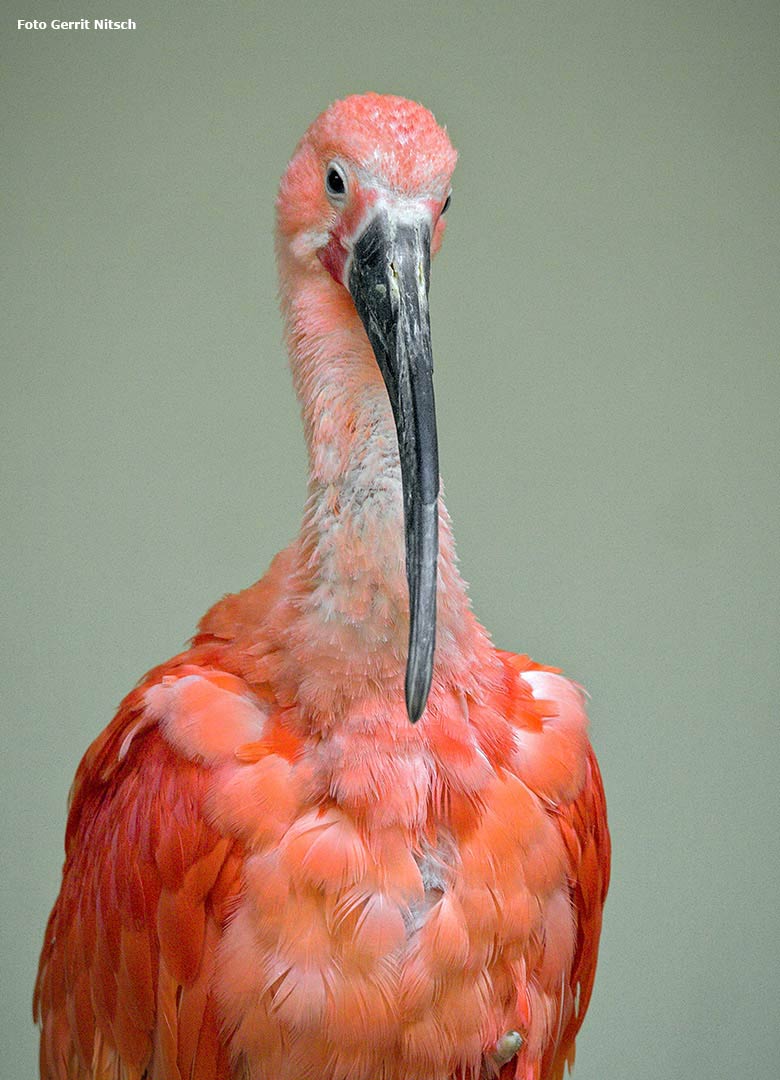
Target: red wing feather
x=583 y=825
x=125 y=972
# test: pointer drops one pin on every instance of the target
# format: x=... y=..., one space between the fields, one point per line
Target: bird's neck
x=351 y=554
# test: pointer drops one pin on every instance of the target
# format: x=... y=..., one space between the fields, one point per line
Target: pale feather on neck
x=351 y=547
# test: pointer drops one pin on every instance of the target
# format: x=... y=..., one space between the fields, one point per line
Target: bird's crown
x=396 y=140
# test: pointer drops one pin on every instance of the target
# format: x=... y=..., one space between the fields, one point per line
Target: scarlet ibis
x=341 y=836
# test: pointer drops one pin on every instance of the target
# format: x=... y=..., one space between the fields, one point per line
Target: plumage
x=270 y=873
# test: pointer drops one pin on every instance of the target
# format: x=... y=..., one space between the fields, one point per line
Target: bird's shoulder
x=149 y=881
x=554 y=758
x=547 y=715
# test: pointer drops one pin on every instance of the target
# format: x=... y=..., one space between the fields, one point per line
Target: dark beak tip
x=416 y=700
x=414 y=713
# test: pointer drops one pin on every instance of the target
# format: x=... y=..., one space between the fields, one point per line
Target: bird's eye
x=335 y=183
x=447 y=202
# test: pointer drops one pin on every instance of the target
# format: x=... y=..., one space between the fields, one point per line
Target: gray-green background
x=605 y=318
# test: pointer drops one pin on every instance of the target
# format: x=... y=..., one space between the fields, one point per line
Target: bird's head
x=362 y=201
x=366 y=154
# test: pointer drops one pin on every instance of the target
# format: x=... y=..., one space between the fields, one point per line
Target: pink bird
x=341 y=836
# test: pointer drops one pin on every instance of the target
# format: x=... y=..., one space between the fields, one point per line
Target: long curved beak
x=388 y=280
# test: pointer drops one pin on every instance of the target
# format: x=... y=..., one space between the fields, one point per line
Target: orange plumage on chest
x=382 y=901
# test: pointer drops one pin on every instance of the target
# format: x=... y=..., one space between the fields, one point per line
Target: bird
x=341 y=835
